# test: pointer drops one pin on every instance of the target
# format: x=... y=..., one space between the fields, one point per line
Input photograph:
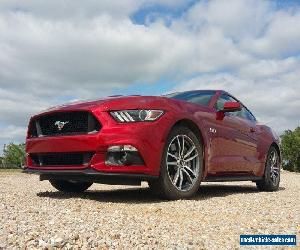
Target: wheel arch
x=192 y=126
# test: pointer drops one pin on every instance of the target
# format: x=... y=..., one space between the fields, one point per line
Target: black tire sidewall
x=267 y=184
x=67 y=186
x=268 y=180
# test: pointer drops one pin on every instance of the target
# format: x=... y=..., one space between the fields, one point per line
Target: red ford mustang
x=173 y=142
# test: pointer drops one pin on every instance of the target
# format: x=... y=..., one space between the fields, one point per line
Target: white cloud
x=78 y=10
x=71 y=9
x=213 y=52
x=237 y=18
x=281 y=37
x=100 y=51
x=16 y=107
x=269 y=68
x=12 y=133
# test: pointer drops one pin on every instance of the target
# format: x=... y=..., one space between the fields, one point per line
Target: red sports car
x=173 y=142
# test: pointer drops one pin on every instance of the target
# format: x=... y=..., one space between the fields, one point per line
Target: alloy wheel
x=183 y=162
x=274 y=167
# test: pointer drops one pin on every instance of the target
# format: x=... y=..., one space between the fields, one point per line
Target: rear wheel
x=181 y=166
x=271 y=178
x=70 y=186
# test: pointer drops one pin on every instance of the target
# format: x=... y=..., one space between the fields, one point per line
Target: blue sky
x=148 y=13
x=58 y=51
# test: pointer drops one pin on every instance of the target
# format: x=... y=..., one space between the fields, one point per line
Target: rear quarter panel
x=266 y=137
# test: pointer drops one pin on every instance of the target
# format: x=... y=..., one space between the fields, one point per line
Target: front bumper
x=147 y=138
x=90 y=175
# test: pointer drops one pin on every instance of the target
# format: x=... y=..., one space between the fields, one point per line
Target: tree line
x=14 y=154
x=290 y=147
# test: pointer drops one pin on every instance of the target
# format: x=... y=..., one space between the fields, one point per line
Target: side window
x=221 y=100
x=240 y=113
x=243 y=113
x=249 y=116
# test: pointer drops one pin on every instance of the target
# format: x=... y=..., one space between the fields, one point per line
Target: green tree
x=14 y=154
x=290 y=143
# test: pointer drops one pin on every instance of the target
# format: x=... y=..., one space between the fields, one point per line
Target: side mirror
x=232 y=107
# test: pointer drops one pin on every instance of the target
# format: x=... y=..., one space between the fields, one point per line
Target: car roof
x=199 y=90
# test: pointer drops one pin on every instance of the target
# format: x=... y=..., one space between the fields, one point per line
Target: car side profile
x=174 y=142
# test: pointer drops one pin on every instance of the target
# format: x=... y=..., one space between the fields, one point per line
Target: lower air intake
x=62 y=159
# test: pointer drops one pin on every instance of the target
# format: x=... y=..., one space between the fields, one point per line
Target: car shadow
x=144 y=195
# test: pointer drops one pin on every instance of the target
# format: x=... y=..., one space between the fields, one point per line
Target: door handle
x=252 y=130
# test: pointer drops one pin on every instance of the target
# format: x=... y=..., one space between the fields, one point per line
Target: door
x=236 y=140
x=250 y=143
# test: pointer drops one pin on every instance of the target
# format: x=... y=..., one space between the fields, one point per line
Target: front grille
x=64 y=123
x=61 y=159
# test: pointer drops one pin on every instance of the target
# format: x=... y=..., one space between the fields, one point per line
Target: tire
x=181 y=168
x=70 y=186
x=271 y=177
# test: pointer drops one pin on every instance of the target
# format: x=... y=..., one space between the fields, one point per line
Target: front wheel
x=70 y=186
x=181 y=166
x=271 y=179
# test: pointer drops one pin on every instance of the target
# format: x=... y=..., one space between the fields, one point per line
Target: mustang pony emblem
x=60 y=124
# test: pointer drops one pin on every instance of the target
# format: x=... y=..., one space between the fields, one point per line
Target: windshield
x=202 y=97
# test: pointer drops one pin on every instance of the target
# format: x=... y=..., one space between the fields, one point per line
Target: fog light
x=123 y=155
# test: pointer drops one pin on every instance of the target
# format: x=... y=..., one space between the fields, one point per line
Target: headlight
x=136 y=115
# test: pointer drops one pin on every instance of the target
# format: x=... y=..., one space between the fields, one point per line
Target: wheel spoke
x=274 y=167
x=188 y=169
x=179 y=147
x=188 y=175
x=174 y=156
x=273 y=177
x=176 y=177
x=182 y=150
x=273 y=159
x=276 y=172
x=174 y=163
x=180 y=180
x=191 y=158
x=189 y=152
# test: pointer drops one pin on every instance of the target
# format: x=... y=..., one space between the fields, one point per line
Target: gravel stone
x=35 y=216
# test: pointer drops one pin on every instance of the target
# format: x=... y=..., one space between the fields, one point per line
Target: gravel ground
x=34 y=215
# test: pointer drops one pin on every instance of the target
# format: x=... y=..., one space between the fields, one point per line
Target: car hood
x=113 y=103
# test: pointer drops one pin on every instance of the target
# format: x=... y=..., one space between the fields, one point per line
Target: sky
x=53 y=52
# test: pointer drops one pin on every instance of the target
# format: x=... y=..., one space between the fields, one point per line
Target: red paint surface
x=237 y=147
